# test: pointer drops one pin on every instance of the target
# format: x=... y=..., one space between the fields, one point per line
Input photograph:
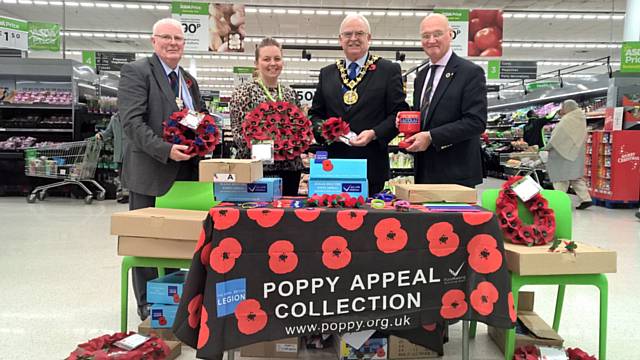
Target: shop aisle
x=60 y=280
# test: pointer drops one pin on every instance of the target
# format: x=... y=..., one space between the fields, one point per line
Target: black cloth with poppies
x=439 y=267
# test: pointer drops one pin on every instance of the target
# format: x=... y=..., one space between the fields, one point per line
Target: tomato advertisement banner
x=485 y=33
x=263 y=274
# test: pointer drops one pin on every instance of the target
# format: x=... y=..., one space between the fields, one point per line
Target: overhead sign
x=14 y=34
x=112 y=61
x=194 y=17
x=211 y=26
x=106 y=61
x=630 y=57
x=459 y=22
x=242 y=74
x=498 y=69
x=44 y=36
x=89 y=58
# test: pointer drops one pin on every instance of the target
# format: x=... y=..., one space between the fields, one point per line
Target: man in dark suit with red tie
x=451 y=95
x=367 y=92
x=151 y=89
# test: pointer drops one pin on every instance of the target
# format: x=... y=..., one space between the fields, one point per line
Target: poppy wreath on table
x=282 y=122
x=333 y=128
x=103 y=347
x=543 y=228
x=201 y=141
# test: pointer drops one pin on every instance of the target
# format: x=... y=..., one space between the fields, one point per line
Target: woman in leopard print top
x=246 y=97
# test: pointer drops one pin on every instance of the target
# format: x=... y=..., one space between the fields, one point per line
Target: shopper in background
x=451 y=95
x=369 y=107
x=114 y=131
x=565 y=164
x=533 y=129
x=151 y=89
x=265 y=87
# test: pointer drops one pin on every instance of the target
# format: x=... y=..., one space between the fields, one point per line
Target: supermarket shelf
x=7 y=155
x=35 y=130
x=502 y=139
x=35 y=106
x=499 y=126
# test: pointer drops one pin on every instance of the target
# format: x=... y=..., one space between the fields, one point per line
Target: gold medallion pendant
x=350 y=97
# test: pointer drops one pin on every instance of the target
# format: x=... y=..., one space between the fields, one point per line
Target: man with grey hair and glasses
x=150 y=90
x=366 y=91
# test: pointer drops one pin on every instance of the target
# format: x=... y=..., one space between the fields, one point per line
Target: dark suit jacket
x=456 y=118
x=381 y=96
x=145 y=100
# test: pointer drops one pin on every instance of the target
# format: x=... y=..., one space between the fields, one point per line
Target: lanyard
x=268 y=94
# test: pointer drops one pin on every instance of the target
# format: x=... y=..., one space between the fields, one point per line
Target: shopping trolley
x=524 y=163
x=72 y=162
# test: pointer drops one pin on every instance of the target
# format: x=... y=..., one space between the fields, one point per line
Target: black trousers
x=140 y=275
x=290 y=180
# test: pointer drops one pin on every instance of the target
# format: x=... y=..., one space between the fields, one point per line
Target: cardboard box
x=163 y=316
x=155 y=247
x=265 y=189
x=421 y=193
x=159 y=223
x=283 y=348
x=165 y=334
x=230 y=170
x=400 y=349
x=339 y=169
x=537 y=260
x=166 y=289
x=176 y=349
x=531 y=329
x=333 y=186
x=374 y=348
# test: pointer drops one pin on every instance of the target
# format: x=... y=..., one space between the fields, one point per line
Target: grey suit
x=145 y=100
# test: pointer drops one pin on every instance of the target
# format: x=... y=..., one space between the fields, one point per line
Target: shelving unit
x=612 y=166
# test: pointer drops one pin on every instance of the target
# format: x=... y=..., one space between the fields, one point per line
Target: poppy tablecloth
x=263 y=274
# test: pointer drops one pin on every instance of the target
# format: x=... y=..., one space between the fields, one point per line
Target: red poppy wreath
x=201 y=141
x=543 y=228
x=282 y=122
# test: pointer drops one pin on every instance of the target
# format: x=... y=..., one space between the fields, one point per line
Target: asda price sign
x=194 y=17
x=14 y=34
x=630 y=57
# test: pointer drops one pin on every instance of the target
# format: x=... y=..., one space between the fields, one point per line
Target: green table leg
x=559 y=303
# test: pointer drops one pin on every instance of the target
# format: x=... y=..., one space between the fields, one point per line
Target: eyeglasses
x=168 y=38
x=349 y=34
x=436 y=35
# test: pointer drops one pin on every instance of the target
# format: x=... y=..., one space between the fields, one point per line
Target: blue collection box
x=265 y=189
x=166 y=289
x=339 y=169
x=339 y=176
x=337 y=186
x=163 y=316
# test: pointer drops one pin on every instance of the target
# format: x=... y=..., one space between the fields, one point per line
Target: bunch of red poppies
x=103 y=348
x=333 y=128
x=343 y=200
x=282 y=122
x=543 y=228
x=201 y=141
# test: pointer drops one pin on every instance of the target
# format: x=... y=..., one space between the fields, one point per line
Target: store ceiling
x=88 y=20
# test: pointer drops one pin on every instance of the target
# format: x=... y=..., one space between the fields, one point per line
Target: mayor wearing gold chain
x=367 y=92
